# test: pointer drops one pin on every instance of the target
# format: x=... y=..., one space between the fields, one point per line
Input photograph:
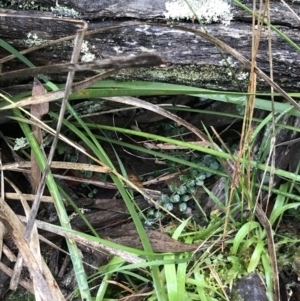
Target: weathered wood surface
x=195 y=61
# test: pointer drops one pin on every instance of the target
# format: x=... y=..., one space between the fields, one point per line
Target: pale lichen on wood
x=207 y=11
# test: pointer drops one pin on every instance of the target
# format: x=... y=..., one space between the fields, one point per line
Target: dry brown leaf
x=59 y=165
x=160 y=242
x=171 y=146
x=46 y=287
x=35 y=248
x=34 y=243
x=132 y=258
x=37 y=110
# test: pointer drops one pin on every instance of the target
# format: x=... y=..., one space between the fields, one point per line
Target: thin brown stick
x=261 y=216
x=144 y=60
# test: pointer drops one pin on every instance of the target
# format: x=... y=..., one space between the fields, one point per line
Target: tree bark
x=194 y=61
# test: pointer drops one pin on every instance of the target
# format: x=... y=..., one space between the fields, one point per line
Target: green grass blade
x=242 y=233
x=99 y=152
x=171 y=279
x=256 y=256
x=77 y=210
x=60 y=209
x=200 y=286
x=268 y=274
x=114 y=263
x=138 y=88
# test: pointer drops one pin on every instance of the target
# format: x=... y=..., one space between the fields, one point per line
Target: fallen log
x=194 y=61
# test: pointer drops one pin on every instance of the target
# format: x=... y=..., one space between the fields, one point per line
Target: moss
x=206 y=76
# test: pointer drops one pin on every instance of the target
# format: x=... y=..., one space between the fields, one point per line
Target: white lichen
x=87 y=55
x=64 y=11
x=20 y=143
x=207 y=11
x=74 y=214
x=228 y=62
x=242 y=76
x=35 y=38
x=147 y=50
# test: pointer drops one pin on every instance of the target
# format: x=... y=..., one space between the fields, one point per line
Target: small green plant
x=92 y=192
x=188 y=183
x=171 y=127
x=72 y=154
